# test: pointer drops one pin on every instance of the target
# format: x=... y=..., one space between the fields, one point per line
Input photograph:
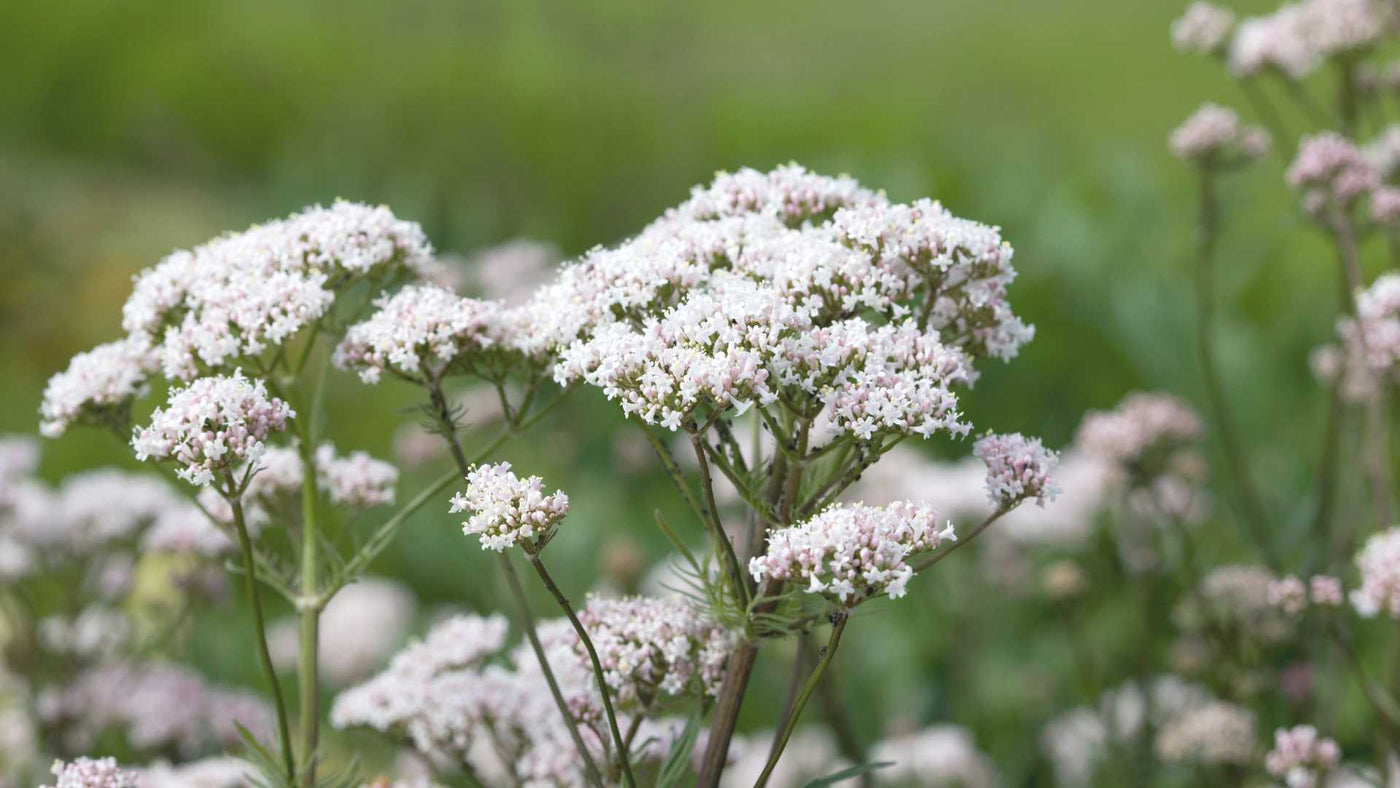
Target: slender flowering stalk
x=507 y=510
x=838 y=626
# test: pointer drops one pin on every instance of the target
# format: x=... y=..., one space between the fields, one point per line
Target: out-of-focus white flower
x=1215 y=135
x=1276 y=42
x=184 y=528
x=360 y=627
x=850 y=553
x=94 y=632
x=90 y=773
x=1018 y=468
x=1203 y=29
x=943 y=755
x=810 y=754
x=1143 y=423
x=1289 y=594
x=511 y=271
x=650 y=646
x=1379 y=562
x=1326 y=590
x=98 y=386
x=1300 y=756
x=1217 y=733
x=212 y=425
x=356 y=480
x=215 y=772
x=97 y=508
x=507 y=509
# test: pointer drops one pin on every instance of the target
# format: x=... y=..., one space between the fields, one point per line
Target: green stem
x=443 y=413
x=598 y=673
x=1207 y=231
x=309 y=609
x=838 y=626
x=528 y=624
x=250 y=587
x=731 y=561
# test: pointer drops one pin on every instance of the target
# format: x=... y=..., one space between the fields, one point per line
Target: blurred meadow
x=131 y=129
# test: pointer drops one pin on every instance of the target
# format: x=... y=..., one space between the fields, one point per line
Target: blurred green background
x=130 y=129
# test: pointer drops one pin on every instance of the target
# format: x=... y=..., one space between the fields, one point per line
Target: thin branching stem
x=726 y=548
x=234 y=494
x=838 y=626
x=936 y=557
x=599 y=674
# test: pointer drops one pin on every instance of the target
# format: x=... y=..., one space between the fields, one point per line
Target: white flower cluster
x=850 y=553
x=508 y=510
x=213 y=424
x=90 y=773
x=242 y=293
x=419 y=332
x=1214 y=734
x=1301 y=757
x=1246 y=597
x=1214 y=134
x=99 y=508
x=96 y=631
x=654 y=646
x=1203 y=29
x=158 y=707
x=1298 y=37
x=358 y=630
x=942 y=755
x=1379 y=562
x=213 y=772
x=184 y=528
x=98 y=386
x=1018 y=468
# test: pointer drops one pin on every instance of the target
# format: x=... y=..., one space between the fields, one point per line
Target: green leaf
x=676 y=767
x=846 y=774
x=675 y=540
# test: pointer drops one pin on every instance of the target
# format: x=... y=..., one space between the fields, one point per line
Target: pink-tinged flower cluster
x=1292 y=595
x=212 y=425
x=508 y=510
x=186 y=529
x=651 y=647
x=1018 y=468
x=98 y=386
x=1214 y=734
x=1371 y=339
x=1142 y=427
x=850 y=553
x=98 y=508
x=356 y=480
x=418 y=333
x=243 y=293
x=1298 y=37
x=1330 y=169
x=1379 y=562
x=790 y=192
x=1301 y=757
x=158 y=707
x=92 y=773
x=1214 y=135
x=1203 y=28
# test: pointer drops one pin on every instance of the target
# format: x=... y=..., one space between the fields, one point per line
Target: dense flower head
x=850 y=553
x=1141 y=431
x=1203 y=28
x=213 y=424
x=1326 y=590
x=419 y=332
x=1300 y=756
x=1213 y=734
x=1299 y=36
x=93 y=773
x=791 y=286
x=1018 y=468
x=1214 y=134
x=507 y=509
x=98 y=386
x=95 y=509
x=653 y=646
x=1330 y=168
x=1379 y=562
x=242 y=293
